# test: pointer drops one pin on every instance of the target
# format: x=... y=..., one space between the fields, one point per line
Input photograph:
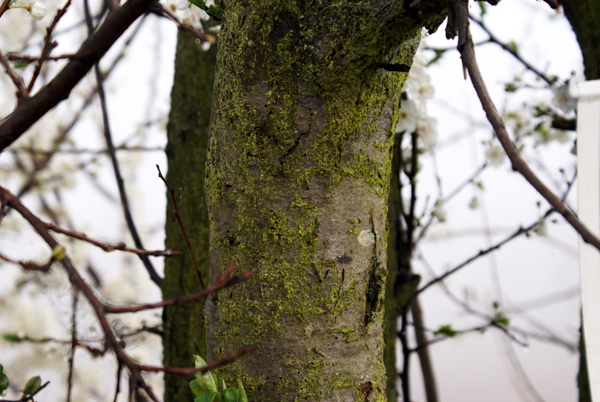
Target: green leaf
x=206 y=381
x=11 y=338
x=223 y=386
x=4 y=382
x=241 y=393
x=512 y=46
x=510 y=88
x=197 y=389
x=58 y=253
x=199 y=3
x=501 y=319
x=447 y=331
x=20 y=64
x=213 y=10
x=214 y=396
x=231 y=395
x=32 y=385
x=482 y=7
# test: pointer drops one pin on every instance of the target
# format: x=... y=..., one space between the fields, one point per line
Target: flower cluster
x=413 y=109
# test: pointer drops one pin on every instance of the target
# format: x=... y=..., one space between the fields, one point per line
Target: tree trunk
x=401 y=283
x=298 y=175
x=191 y=97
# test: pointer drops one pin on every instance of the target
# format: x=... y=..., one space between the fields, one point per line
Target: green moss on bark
x=187 y=130
x=300 y=145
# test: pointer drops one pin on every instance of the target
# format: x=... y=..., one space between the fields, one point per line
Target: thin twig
x=178 y=217
x=28 y=397
x=108 y=247
x=22 y=92
x=513 y=52
x=465 y=46
x=178 y=300
x=203 y=369
x=31 y=59
x=48 y=45
x=30 y=265
x=73 y=343
x=117 y=171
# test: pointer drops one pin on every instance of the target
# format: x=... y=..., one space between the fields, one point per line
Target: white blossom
x=474 y=204
x=183 y=4
x=518 y=121
x=427 y=132
x=37 y=10
x=542 y=228
x=495 y=155
x=439 y=211
x=563 y=98
x=407 y=117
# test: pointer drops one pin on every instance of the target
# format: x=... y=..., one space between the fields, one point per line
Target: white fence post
x=588 y=175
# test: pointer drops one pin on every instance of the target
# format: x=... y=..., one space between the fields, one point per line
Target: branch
x=29 y=397
x=30 y=265
x=513 y=52
x=108 y=247
x=58 y=89
x=22 y=92
x=117 y=171
x=460 y=10
x=48 y=45
x=203 y=369
x=178 y=217
x=178 y=300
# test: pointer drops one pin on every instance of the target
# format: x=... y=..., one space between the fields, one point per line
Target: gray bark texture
x=298 y=175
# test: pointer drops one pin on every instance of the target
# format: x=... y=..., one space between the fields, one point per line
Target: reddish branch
x=178 y=217
x=459 y=22
x=48 y=45
x=192 y=370
x=110 y=339
x=58 y=89
x=179 y=300
x=108 y=247
x=30 y=265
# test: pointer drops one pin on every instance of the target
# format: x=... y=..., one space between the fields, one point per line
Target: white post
x=588 y=175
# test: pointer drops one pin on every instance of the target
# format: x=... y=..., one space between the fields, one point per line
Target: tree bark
x=401 y=283
x=584 y=17
x=298 y=174
x=191 y=98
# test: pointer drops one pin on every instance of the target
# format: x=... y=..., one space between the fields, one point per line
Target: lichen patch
x=366 y=238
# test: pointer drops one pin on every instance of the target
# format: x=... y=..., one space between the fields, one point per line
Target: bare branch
x=30 y=265
x=48 y=45
x=460 y=10
x=22 y=92
x=59 y=88
x=178 y=300
x=178 y=217
x=108 y=247
x=203 y=369
x=117 y=171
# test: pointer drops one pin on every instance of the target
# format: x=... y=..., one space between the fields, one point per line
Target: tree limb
x=460 y=12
